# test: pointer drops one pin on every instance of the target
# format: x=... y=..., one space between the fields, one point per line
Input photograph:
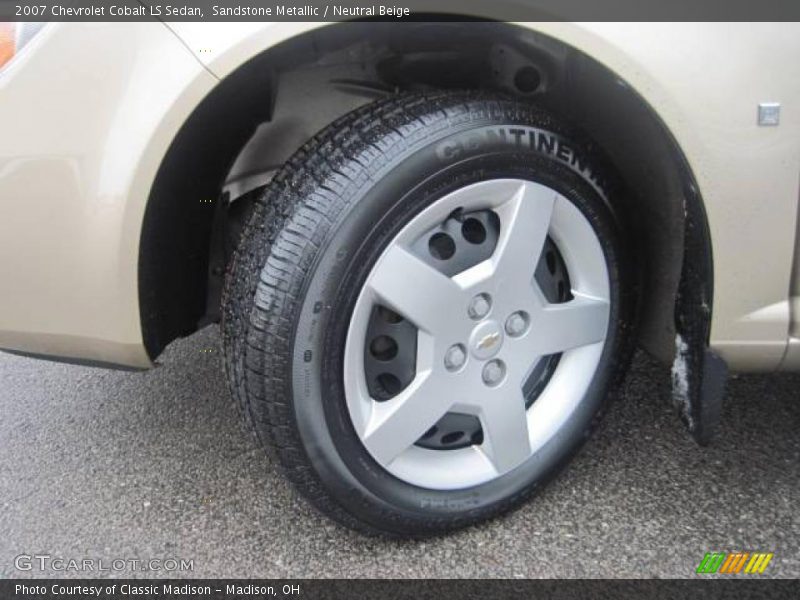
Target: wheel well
x=259 y=115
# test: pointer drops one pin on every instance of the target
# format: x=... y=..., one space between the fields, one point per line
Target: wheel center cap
x=486 y=340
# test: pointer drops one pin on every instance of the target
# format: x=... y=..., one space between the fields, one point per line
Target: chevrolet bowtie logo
x=488 y=341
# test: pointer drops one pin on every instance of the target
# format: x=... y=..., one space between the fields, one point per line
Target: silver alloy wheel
x=480 y=333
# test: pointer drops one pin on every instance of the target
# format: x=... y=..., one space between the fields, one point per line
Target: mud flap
x=698 y=374
x=698 y=386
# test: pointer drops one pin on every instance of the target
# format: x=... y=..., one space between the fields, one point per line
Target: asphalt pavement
x=116 y=465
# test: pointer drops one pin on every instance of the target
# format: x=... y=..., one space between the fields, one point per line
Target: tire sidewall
x=384 y=201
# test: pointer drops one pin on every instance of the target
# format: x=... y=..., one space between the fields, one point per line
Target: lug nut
x=517 y=323
x=455 y=357
x=479 y=306
x=493 y=372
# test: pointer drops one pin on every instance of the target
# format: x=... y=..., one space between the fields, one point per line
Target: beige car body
x=88 y=112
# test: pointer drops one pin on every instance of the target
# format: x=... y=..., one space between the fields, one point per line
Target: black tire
x=311 y=241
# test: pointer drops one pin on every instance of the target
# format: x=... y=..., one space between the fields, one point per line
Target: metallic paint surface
x=88 y=112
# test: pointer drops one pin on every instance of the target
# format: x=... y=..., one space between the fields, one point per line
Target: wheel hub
x=486 y=340
x=463 y=286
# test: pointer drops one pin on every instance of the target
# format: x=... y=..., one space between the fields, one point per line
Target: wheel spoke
x=560 y=327
x=398 y=423
x=505 y=427
x=524 y=223
x=414 y=289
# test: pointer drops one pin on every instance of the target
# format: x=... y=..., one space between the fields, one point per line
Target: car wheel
x=426 y=312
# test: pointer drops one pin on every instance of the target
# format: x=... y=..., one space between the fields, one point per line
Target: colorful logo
x=734 y=562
